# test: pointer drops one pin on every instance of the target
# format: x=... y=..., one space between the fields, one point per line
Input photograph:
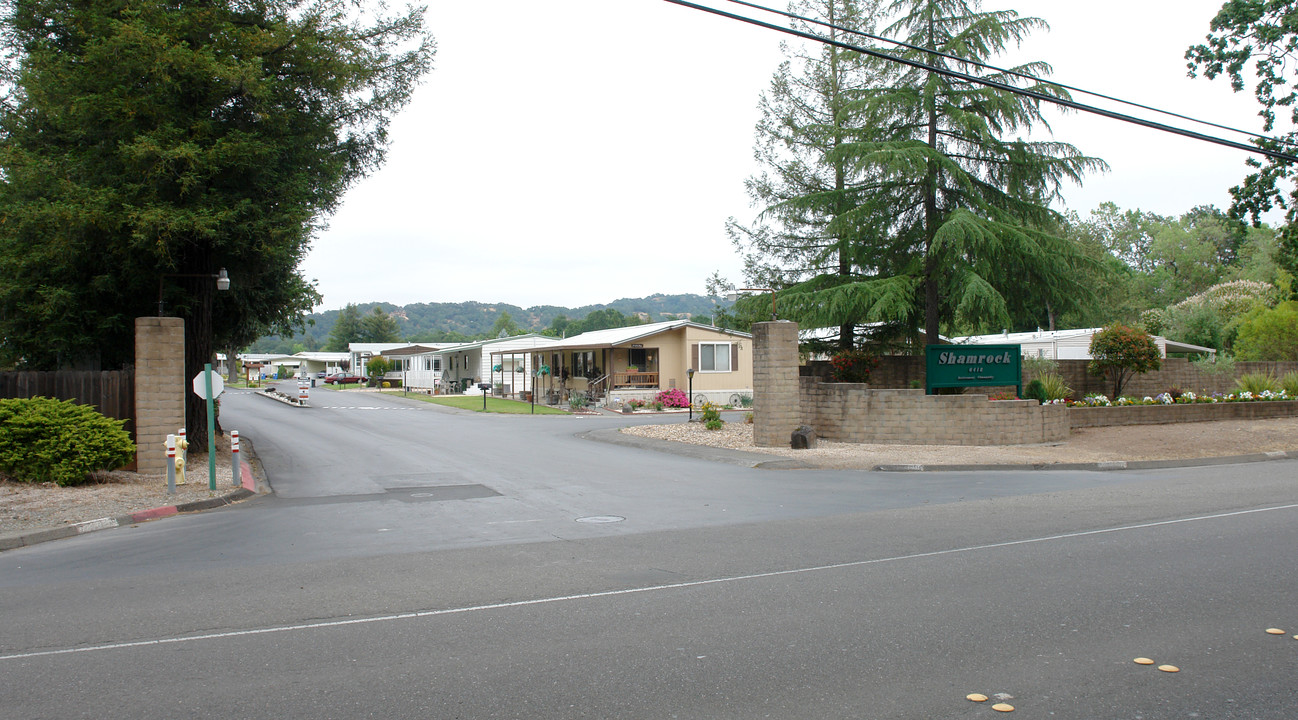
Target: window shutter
x=734 y=357
x=694 y=356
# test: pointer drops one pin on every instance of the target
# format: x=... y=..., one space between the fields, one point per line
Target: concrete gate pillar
x=159 y=389
x=777 y=408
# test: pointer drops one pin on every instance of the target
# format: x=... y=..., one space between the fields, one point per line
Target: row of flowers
x=1185 y=398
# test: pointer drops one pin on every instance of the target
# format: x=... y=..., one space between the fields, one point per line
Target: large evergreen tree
x=379 y=327
x=146 y=144
x=346 y=329
x=807 y=190
x=957 y=199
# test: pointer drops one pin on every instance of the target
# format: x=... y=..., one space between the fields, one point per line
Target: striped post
x=171 y=464
x=302 y=392
x=234 y=459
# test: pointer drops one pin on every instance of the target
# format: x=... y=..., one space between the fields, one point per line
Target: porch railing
x=635 y=380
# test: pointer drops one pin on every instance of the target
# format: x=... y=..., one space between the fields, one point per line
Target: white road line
x=628 y=591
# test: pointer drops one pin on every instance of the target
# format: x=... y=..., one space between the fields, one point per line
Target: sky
x=575 y=152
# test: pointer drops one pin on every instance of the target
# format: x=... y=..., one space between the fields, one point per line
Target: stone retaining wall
x=1080 y=417
x=853 y=412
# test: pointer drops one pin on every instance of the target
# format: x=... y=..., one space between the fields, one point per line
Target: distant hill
x=426 y=320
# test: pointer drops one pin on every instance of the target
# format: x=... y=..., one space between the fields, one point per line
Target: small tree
x=1119 y=351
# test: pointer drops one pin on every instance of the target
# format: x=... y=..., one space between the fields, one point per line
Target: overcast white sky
x=580 y=151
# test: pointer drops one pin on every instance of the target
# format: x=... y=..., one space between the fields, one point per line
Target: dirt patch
x=1128 y=442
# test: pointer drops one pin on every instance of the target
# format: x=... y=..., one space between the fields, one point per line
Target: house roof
x=323 y=356
x=620 y=336
x=529 y=340
x=1048 y=336
x=418 y=349
x=375 y=348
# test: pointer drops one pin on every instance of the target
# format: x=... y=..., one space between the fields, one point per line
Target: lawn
x=474 y=402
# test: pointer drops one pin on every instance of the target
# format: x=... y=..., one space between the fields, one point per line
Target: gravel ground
x=25 y=507
x=1128 y=442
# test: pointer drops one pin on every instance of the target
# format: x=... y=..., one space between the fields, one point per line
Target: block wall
x=776 y=403
x=1080 y=417
x=900 y=371
x=852 y=412
x=159 y=389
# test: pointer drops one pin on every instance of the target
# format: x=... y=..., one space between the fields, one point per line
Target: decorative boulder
x=804 y=438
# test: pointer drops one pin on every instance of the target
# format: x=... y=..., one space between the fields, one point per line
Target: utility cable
x=1006 y=71
x=994 y=84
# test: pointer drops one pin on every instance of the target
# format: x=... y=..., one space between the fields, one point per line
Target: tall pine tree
x=807 y=189
x=957 y=199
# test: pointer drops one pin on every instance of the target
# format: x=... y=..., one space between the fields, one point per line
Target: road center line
x=629 y=591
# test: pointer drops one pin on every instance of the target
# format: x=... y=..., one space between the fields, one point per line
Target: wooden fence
x=110 y=392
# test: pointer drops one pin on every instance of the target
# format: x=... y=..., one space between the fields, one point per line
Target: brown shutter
x=694 y=356
x=734 y=357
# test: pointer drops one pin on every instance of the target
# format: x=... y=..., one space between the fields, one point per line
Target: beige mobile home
x=619 y=364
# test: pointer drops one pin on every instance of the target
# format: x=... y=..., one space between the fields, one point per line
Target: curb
x=763 y=461
x=247 y=475
x=1104 y=465
x=278 y=396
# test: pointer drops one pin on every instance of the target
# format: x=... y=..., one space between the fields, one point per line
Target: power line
x=994 y=84
x=985 y=66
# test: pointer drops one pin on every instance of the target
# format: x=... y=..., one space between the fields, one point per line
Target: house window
x=714 y=357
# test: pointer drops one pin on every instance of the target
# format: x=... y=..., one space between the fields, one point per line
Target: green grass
x=473 y=402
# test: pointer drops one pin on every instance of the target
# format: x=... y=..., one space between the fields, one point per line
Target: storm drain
x=599 y=519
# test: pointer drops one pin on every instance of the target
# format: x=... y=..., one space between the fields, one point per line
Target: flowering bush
x=853 y=366
x=1186 y=398
x=675 y=398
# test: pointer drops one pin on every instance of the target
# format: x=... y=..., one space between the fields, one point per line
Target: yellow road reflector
x=976 y=697
x=1275 y=631
x=1143 y=661
x=1003 y=707
x=1169 y=668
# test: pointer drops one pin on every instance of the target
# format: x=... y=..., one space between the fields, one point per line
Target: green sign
x=974 y=366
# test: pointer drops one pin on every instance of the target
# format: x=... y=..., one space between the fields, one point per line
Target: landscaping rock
x=804 y=438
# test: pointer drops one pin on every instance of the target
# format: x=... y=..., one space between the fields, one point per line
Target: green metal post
x=211 y=429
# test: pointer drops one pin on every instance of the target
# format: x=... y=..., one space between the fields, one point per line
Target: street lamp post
x=690 y=373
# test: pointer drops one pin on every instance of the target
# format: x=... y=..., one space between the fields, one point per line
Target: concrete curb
x=278 y=396
x=763 y=461
x=248 y=475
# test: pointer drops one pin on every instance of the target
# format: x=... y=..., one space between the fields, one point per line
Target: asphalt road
x=416 y=562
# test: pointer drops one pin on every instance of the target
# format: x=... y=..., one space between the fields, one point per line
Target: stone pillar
x=777 y=408
x=159 y=389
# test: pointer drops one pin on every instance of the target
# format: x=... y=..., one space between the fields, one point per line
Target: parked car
x=342 y=378
x=322 y=374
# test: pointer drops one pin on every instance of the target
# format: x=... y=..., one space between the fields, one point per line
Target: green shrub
x=1034 y=391
x=1054 y=387
x=578 y=400
x=48 y=440
x=1221 y=364
x=745 y=401
x=1257 y=383
x=1290 y=384
x=711 y=417
x=1118 y=352
x=1038 y=365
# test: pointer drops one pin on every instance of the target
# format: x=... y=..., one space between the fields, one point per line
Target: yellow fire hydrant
x=181 y=445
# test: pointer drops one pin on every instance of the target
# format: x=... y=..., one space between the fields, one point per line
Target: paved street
x=420 y=562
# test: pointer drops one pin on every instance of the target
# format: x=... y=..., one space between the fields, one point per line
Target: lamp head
x=223 y=280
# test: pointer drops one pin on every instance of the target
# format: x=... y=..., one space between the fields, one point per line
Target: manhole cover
x=596 y=519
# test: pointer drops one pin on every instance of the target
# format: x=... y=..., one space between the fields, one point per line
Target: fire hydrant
x=181 y=446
